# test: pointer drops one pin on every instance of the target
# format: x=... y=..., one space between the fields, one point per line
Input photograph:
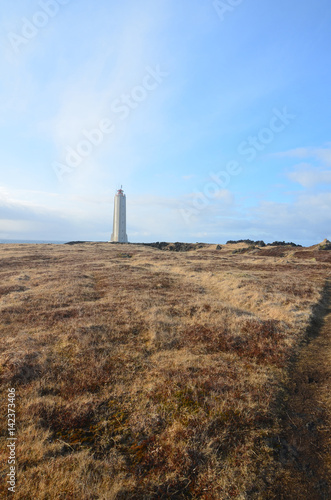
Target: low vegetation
x=144 y=374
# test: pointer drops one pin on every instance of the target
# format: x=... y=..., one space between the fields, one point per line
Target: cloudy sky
x=214 y=115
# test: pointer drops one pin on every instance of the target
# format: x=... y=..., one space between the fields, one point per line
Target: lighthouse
x=119 y=224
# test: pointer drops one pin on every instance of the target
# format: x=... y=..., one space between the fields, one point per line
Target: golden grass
x=143 y=373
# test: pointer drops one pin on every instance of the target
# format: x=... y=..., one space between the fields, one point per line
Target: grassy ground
x=145 y=374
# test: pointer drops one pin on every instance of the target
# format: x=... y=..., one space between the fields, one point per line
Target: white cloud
x=315 y=171
x=53 y=217
x=322 y=154
x=308 y=175
x=295 y=153
x=225 y=196
x=307 y=218
x=22 y=227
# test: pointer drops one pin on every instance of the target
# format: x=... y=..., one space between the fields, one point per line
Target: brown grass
x=148 y=374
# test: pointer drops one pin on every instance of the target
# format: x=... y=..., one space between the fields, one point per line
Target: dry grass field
x=147 y=374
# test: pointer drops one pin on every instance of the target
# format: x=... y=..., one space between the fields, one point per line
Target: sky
x=214 y=115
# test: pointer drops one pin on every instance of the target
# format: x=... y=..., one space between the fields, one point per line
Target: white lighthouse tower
x=119 y=224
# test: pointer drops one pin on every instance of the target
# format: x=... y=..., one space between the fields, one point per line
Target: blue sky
x=164 y=97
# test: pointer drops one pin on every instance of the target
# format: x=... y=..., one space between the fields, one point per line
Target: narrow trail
x=305 y=444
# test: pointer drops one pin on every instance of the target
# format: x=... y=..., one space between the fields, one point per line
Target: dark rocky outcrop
x=175 y=247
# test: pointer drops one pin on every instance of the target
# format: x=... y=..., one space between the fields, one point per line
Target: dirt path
x=305 y=445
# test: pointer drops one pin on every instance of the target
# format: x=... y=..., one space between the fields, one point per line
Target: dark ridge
x=283 y=244
x=258 y=243
x=175 y=247
x=76 y=242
